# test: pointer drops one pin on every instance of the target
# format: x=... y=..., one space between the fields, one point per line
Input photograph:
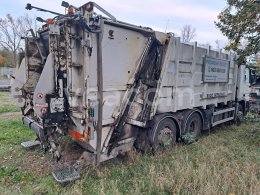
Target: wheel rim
x=165 y=137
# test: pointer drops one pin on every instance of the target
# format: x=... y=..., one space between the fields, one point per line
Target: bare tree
x=187 y=33
x=12 y=30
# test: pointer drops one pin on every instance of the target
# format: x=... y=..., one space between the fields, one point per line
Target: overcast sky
x=162 y=15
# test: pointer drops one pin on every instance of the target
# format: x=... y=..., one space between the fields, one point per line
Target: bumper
x=36 y=127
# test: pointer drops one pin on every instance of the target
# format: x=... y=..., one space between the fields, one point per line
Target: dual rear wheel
x=164 y=131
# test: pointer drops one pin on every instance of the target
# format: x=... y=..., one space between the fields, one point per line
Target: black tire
x=194 y=125
x=163 y=135
x=239 y=115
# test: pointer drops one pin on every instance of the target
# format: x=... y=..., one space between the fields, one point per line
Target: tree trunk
x=14 y=60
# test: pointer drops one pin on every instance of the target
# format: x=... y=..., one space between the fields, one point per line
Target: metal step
x=65 y=174
x=30 y=144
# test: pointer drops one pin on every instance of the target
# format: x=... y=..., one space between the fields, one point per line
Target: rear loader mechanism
x=51 y=86
x=41 y=88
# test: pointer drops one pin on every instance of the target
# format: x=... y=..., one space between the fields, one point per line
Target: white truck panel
x=121 y=55
x=183 y=80
x=243 y=82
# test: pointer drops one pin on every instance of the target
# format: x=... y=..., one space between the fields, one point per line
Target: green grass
x=224 y=161
x=7 y=104
x=12 y=133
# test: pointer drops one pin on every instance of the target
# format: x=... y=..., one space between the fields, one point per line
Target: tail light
x=50 y=21
x=78 y=136
x=43 y=110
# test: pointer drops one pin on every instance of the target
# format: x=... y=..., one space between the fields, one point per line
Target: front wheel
x=239 y=115
x=163 y=135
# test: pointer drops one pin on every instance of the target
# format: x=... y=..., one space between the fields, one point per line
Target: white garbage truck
x=113 y=86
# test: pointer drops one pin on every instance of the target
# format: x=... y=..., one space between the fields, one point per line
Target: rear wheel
x=194 y=125
x=163 y=135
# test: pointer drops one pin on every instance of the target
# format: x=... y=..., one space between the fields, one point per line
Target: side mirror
x=65 y=4
x=39 y=19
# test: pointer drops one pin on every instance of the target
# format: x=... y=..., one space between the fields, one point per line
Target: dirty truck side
x=113 y=86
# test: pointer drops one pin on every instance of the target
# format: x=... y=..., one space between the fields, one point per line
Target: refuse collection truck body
x=113 y=86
